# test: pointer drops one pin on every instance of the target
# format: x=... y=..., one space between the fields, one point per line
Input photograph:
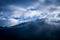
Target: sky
x=13 y=12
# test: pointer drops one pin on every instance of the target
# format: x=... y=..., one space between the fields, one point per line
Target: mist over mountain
x=33 y=30
x=30 y=19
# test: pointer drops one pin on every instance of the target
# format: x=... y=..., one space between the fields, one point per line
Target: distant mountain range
x=33 y=30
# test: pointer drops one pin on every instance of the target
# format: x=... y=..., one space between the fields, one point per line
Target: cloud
x=38 y=10
x=43 y=13
x=16 y=2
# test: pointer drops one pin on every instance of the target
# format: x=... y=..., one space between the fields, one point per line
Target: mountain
x=33 y=30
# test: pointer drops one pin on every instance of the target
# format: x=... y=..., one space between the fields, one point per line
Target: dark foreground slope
x=36 y=30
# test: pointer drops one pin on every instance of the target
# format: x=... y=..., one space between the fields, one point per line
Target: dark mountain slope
x=33 y=30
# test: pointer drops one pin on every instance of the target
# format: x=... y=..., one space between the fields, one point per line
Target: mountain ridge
x=33 y=30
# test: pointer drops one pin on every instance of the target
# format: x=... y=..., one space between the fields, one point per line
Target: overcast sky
x=13 y=12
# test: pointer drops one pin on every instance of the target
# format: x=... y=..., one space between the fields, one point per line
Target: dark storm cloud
x=55 y=2
x=20 y=2
x=24 y=3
